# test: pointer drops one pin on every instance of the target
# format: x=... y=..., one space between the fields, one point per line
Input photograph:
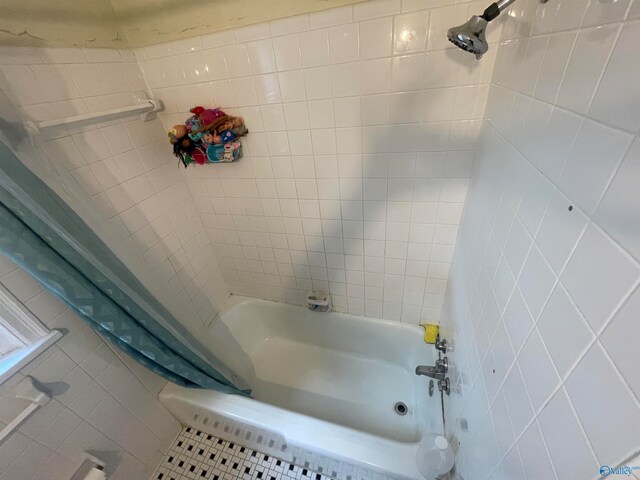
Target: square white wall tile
x=410 y=32
x=619 y=337
x=599 y=276
x=565 y=332
x=537 y=370
x=618 y=74
x=314 y=48
x=613 y=214
x=585 y=66
x=560 y=230
x=596 y=154
x=344 y=43
x=536 y=281
x=287 y=52
x=376 y=38
x=567 y=444
x=534 y=454
x=595 y=369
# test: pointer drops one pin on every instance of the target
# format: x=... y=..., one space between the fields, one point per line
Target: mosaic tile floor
x=195 y=455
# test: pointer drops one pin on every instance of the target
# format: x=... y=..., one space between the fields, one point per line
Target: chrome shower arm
x=502 y=4
x=493 y=10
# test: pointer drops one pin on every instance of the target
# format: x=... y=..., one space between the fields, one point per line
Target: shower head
x=470 y=36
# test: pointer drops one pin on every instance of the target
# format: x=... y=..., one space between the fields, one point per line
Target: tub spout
x=439 y=372
x=432 y=372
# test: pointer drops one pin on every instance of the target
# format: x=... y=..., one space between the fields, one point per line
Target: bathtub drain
x=401 y=408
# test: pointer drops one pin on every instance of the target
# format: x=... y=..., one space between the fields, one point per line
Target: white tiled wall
x=362 y=129
x=543 y=298
x=119 y=176
x=102 y=403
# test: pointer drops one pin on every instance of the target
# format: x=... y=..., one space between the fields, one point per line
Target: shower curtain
x=43 y=235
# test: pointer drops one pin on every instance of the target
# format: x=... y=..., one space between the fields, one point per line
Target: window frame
x=21 y=327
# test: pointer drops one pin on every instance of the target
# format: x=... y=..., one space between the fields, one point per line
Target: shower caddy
x=208 y=136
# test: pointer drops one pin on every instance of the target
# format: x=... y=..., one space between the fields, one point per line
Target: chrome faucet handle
x=444 y=386
x=442 y=364
x=441 y=345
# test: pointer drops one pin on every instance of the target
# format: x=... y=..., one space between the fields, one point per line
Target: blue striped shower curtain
x=43 y=235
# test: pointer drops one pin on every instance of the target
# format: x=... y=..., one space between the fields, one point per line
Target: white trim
x=18 y=320
x=27 y=390
x=13 y=424
x=14 y=361
x=22 y=328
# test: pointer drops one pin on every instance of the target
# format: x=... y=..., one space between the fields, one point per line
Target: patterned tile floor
x=195 y=455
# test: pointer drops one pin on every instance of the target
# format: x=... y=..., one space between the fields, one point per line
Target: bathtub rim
x=235 y=300
x=379 y=454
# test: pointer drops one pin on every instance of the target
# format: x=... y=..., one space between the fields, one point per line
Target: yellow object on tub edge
x=430 y=332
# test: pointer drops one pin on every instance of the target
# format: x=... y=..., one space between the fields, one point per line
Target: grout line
x=558 y=107
x=546 y=447
x=592 y=221
x=536 y=414
x=580 y=426
x=557 y=282
x=607 y=61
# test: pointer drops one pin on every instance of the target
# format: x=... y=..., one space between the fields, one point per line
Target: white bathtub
x=324 y=388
